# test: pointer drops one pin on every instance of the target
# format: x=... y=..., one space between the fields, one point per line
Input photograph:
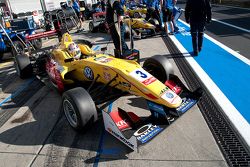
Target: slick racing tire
x=23 y=66
x=79 y=108
x=19 y=48
x=155 y=23
x=160 y=67
x=92 y=27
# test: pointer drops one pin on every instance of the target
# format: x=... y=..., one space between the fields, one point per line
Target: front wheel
x=23 y=65
x=92 y=27
x=79 y=108
x=159 y=66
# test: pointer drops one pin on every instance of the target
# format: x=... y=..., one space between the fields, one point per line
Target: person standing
x=114 y=17
x=167 y=15
x=197 y=13
x=76 y=8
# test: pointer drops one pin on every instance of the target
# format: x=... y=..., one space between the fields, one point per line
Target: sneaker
x=199 y=49
x=195 y=53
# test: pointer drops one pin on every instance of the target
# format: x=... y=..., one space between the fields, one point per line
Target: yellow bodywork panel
x=129 y=75
x=137 y=23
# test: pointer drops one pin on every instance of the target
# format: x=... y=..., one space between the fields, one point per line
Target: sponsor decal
x=107 y=76
x=164 y=90
x=121 y=138
x=147 y=132
x=170 y=97
x=149 y=81
x=106 y=60
x=143 y=76
x=100 y=58
x=122 y=124
x=119 y=120
x=186 y=105
x=88 y=73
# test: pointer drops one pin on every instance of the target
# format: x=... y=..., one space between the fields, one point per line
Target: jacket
x=198 y=11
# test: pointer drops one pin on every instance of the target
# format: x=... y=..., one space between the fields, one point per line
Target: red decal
x=149 y=80
x=151 y=96
x=120 y=122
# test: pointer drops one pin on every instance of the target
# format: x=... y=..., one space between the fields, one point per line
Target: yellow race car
x=136 y=12
x=139 y=27
x=99 y=79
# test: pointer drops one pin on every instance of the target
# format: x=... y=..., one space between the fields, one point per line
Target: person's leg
x=193 y=31
x=194 y=43
x=164 y=17
x=148 y=14
x=170 y=19
x=158 y=17
x=123 y=43
x=201 y=28
x=115 y=37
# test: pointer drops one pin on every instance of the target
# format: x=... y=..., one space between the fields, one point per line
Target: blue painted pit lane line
x=17 y=92
x=225 y=73
x=100 y=149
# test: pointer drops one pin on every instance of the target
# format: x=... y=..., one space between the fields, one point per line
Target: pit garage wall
x=30 y=5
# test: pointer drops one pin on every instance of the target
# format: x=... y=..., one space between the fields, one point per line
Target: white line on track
x=231 y=25
x=236 y=119
x=231 y=6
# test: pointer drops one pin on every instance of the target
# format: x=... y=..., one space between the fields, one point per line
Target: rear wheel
x=79 y=108
x=37 y=43
x=159 y=66
x=92 y=27
x=23 y=66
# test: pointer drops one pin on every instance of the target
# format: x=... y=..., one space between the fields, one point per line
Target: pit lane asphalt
x=237 y=39
x=37 y=133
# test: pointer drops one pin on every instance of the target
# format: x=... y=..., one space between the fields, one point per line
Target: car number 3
x=142 y=75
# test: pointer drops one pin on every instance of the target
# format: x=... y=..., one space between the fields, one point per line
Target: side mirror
x=69 y=60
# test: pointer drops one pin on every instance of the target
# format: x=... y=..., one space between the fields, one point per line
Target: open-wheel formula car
x=100 y=79
x=140 y=27
x=136 y=12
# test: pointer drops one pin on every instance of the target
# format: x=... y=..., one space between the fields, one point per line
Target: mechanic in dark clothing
x=153 y=10
x=114 y=14
x=197 y=13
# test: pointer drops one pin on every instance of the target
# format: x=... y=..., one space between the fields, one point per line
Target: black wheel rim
x=70 y=113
